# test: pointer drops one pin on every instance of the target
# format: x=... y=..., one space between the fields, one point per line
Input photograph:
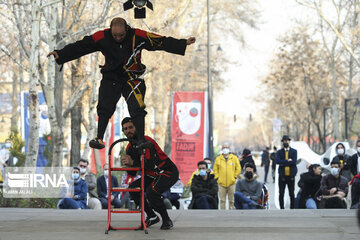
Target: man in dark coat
x=123 y=71
x=204 y=189
x=265 y=162
x=286 y=158
x=102 y=184
x=334 y=188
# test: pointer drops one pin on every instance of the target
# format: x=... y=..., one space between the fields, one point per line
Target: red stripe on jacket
x=98 y=36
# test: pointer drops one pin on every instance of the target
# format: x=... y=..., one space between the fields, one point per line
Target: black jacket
x=245 y=160
x=200 y=187
x=280 y=159
x=353 y=161
x=124 y=57
x=265 y=160
x=101 y=186
x=310 y=187
x=156 y=161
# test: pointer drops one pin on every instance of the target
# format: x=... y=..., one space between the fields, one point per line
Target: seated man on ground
x=77 y=200
x=248 y=190
x=310 y=187
x=90 y=179
x=196 y=172
x=204 y=189
x=103 y=189
x=334 y=188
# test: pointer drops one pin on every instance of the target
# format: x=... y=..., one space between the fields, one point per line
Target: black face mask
x=249 y=175
x=286 y=145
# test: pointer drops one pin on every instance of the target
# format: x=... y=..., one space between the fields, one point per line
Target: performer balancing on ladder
x=122 y=72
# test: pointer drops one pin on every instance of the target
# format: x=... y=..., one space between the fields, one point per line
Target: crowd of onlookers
x=230 y=178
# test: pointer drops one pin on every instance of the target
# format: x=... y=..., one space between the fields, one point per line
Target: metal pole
x=211 y=146
x=346 y=123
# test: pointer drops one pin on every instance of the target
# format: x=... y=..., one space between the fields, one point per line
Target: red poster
x=188 y=133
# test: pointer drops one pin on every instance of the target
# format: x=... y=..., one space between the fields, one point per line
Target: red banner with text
x=189 y=131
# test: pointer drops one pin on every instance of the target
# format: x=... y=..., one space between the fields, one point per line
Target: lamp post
x=357 y=104
x=324 y=126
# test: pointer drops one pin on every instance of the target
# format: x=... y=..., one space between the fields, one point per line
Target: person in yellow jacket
x=226 y=169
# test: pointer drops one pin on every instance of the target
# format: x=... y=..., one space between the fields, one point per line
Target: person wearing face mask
x=226 y=170
x=196 y=172
x=123 y=70
x=286 y=158
x=103 y=189
x=248 y=190
x=355 y=182
x=204 y=189
x=310 y=187
x=344 y=161
x=78 y=199
x=90 y=179
x=334 y=188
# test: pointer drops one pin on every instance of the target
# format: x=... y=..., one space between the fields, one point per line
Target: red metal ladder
x=142 y=225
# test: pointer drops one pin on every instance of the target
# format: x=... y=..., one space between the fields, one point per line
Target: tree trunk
x=92 y=112
x=33 y=141
x=14 y=103
x=75 y=119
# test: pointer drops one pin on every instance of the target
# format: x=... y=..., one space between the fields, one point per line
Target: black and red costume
x=160 y=175
x=122 y=71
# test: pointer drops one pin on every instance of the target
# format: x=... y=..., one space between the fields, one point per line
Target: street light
x=324 y=117
x=357 y=104
x=139 y=10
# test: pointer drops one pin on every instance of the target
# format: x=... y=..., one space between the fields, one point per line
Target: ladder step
x=120 y=210
x=125 y=169
x=119 y=189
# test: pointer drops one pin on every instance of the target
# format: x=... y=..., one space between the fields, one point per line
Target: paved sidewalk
x=18 y=223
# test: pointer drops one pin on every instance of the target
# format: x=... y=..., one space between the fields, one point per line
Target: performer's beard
x=132 y=136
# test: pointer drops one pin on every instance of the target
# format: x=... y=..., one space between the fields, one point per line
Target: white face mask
x=82 y=170
x=334 y=171
x=106 y=173
x=341 y=151
x=226 y=151
x=358 y=149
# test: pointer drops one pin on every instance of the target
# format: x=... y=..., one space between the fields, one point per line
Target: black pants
x=154 y=187
x=110 y=91
x=266 y=169
x=290 y=182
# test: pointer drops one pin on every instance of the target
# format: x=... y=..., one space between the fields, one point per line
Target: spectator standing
x=204 y=189
x=247 y=158
x=226 y=169
x=90 y=179
x=286 y=158
x=273 y=163
x=248 y=190
x=103 y=189
x=334 y=188
x=265 y=162
x=310 y=187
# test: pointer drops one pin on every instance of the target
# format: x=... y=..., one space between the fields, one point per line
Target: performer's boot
x=97 y=143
